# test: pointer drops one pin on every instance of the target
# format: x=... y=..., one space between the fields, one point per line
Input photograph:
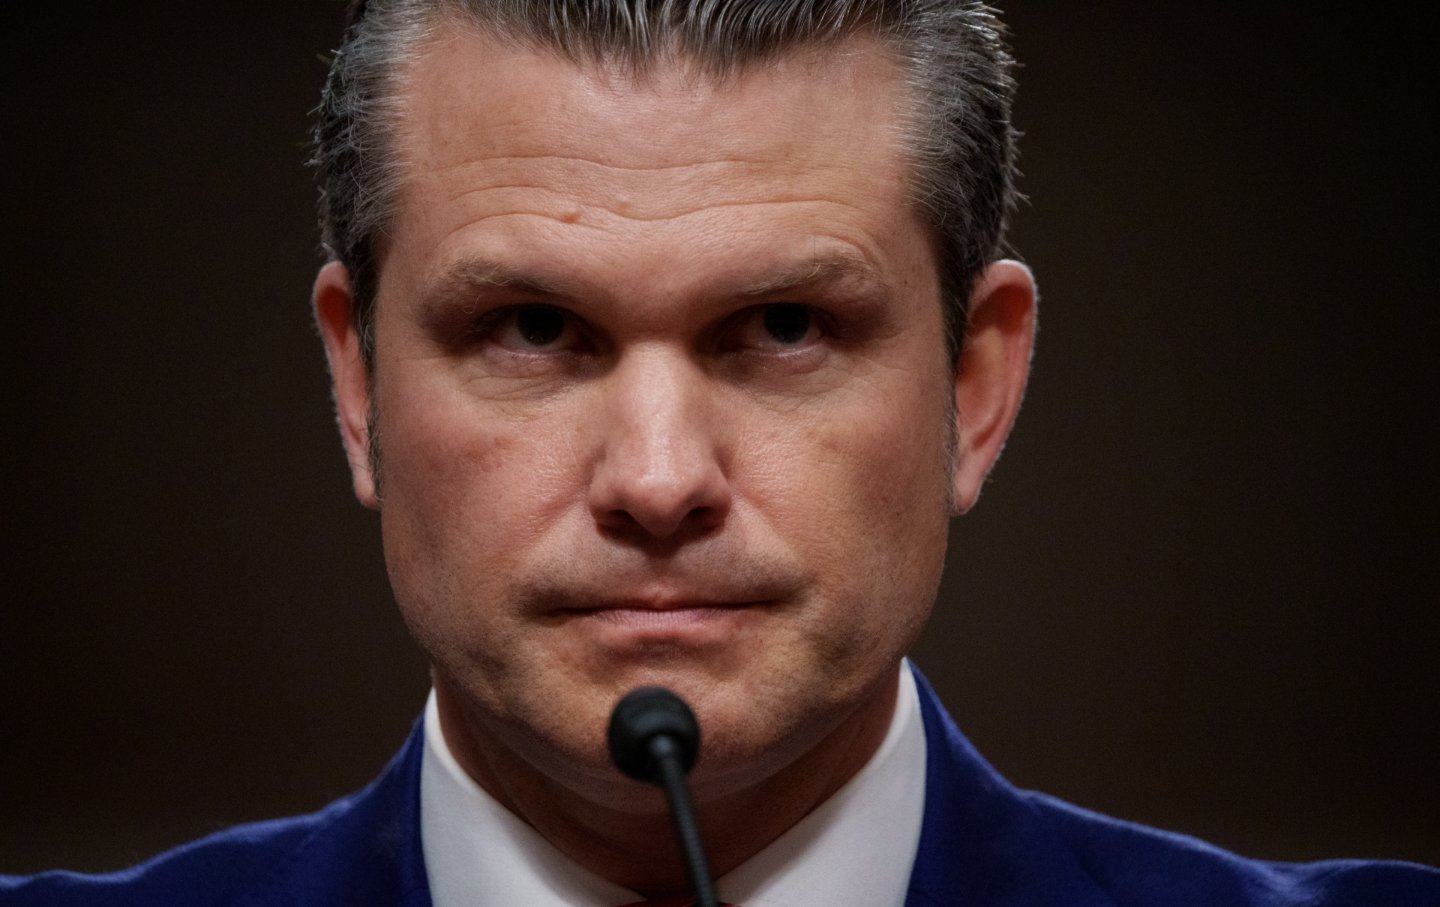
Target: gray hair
x=961 y=143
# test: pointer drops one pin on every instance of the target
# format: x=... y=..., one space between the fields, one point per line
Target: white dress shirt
x=855 y=848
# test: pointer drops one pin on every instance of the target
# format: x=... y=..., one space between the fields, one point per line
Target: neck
x=621 y=830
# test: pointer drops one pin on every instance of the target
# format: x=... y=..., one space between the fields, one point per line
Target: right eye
x=533 y=328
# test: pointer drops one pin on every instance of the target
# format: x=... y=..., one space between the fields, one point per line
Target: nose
x=660 y=473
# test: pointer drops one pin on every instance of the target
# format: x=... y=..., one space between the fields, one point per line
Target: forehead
x=462 y=69
x=509 y=145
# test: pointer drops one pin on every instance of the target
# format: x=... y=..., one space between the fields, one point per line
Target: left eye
x=534 y=328
x=787 y=323
x=540 y=325
x=778 y=325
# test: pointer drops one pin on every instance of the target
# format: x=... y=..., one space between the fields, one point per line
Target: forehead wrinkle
x=774 y=202
x=611 y=165
x=683 y=213
x=563 y=205
x=559 y=187
x=512 y=172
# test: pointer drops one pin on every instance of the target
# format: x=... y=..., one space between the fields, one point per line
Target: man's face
x=661 y=397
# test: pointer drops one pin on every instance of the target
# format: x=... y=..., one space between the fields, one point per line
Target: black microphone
x=654 y=738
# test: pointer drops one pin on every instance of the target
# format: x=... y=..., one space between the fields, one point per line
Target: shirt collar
x=855 y=848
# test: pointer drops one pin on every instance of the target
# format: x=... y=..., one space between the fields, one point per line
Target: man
x=666 y=339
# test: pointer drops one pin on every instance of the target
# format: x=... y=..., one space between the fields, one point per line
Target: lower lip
x=693 y=625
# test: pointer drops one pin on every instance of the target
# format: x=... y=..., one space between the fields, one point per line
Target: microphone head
x=641 y=717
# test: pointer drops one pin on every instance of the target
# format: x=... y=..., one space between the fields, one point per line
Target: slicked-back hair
x=960 y=142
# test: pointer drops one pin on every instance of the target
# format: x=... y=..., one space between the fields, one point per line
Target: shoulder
x=358 y=851
x=214 y=870
x=1135 y=864
x=994 y=843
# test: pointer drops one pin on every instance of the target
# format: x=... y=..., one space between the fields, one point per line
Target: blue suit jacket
x=983 y=844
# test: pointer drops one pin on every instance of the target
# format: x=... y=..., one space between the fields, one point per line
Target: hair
x=952 y=53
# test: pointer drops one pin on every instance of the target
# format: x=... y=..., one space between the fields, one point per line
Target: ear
x=349 y=378
x=990 y=379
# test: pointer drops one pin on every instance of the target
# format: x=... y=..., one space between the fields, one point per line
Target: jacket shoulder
x=1138 y=865
x=361 y=851
x=214 y=870
x=985 y=841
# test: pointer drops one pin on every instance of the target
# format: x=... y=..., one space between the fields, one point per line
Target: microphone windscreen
x=640 y=717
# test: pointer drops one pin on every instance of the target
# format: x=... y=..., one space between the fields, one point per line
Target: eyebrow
x=471 y=274
x=831 y=267
x=454 y=292
x=463 y=280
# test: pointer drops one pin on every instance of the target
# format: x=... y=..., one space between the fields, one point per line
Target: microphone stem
x=672 y=778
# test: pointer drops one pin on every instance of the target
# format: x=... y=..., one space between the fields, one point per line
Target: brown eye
x=776 y=328
x=539 y=325
x=787 y=323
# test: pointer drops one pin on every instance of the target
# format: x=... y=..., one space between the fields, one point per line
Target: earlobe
x=349 y=376
x=991 y=375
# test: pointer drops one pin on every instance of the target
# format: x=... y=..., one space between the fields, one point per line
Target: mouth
x=635 y=611
x=677 y=614
x=691 y=623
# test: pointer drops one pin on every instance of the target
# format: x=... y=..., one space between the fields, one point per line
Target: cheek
x=465 y=495
x=877 y=457
x=861 y=493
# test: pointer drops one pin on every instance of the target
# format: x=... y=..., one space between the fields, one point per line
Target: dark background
x=1199 y=591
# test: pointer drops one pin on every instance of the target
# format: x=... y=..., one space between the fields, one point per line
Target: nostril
x=673 y=512
x=705 y=518
x=674 y=525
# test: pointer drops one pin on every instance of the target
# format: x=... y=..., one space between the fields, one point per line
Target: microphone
x=654 y=738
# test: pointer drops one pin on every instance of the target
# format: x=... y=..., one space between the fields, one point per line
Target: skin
x=662 y=398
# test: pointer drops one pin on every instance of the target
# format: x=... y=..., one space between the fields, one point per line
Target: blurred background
x=1199 y=591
